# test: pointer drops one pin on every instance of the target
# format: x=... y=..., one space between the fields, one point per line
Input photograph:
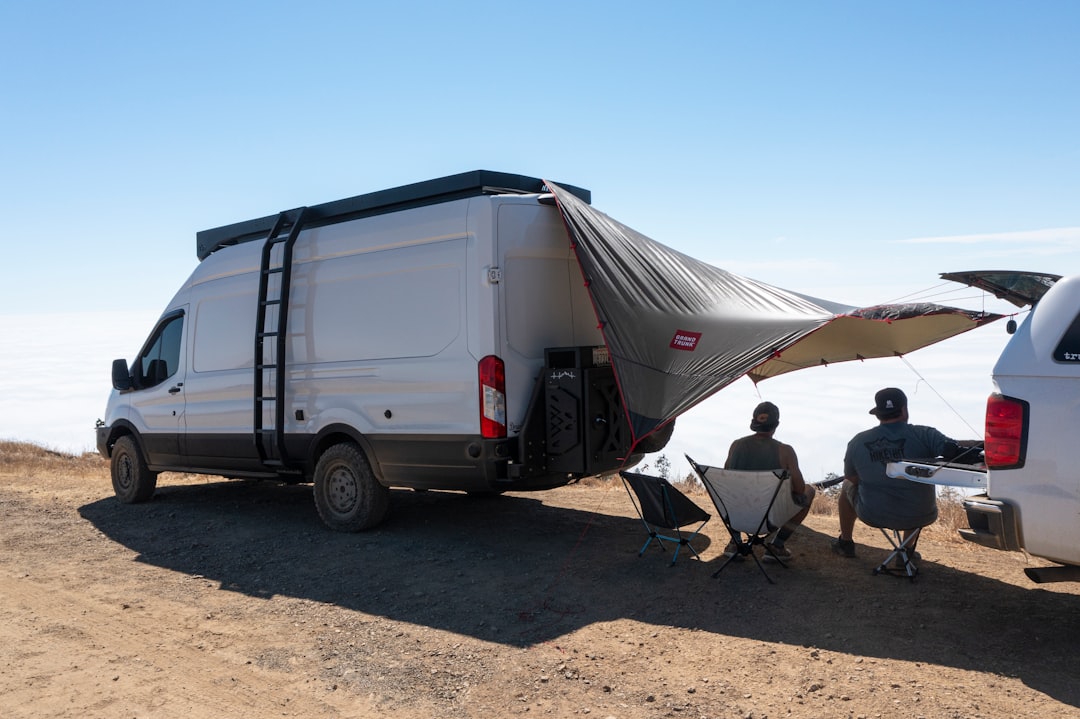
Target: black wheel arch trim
x=325 y=438
x=121 y=428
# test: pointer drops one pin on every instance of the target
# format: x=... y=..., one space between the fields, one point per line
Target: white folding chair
x=752 y=505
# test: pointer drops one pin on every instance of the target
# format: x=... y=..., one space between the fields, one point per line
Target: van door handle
x=175 y=388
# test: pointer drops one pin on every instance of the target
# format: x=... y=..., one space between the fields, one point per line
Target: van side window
x=161 y=358
x=1068 y=349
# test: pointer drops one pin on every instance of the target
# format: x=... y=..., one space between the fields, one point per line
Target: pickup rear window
x=1068 y=349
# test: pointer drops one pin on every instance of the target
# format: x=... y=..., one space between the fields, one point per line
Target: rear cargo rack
x=418 y=194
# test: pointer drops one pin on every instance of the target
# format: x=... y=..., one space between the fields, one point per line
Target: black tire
x=132 y=481
x=347 y=495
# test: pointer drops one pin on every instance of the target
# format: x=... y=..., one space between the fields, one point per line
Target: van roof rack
x=418 y=194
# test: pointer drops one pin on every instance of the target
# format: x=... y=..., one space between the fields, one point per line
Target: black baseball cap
x=889 y=403
x=766 y=417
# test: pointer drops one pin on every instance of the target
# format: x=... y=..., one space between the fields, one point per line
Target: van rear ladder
x=269 y=432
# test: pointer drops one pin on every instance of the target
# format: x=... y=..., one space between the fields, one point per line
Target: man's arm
x=790 y=462
x=952 y=449
x=727 y=462
x=850 y=475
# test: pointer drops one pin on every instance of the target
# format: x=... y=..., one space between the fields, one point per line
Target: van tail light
x=1006 y=432
x=492 y=397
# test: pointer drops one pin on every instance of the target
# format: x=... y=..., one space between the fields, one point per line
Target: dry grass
x=951 y=516
x=35 y=460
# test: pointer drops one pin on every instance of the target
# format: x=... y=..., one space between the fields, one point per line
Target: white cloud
x=1069 y=236
x=55 y=373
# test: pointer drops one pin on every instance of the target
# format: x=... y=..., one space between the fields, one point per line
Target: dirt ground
x=230 y=599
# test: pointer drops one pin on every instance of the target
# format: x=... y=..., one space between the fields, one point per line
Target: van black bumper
x=103 y=441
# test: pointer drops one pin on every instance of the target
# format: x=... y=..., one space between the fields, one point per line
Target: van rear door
x=542 y=297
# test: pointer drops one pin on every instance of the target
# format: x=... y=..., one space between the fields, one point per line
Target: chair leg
x=762 y=568
x=736 y=539
x=684 y=542
x=728 y=561
x=909 y=564
x=744 y=548
x=687 y=540
x=691 y=547
x=900 y=551
x=679 y=541
x=771 y=553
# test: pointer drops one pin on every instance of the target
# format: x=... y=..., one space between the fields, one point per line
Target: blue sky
x=847 y=150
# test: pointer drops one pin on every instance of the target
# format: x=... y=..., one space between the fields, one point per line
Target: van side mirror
x=121 y=376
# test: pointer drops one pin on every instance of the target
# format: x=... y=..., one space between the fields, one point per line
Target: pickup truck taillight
x=1006 y=432
x=492 y=397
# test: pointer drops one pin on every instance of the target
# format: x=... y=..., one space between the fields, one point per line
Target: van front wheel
x=132 y=481
x=347 y=495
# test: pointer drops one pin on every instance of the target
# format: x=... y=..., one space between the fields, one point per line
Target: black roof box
x=418 y=194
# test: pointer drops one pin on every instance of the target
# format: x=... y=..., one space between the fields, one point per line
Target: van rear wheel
x=348 y=497
x=132 y=481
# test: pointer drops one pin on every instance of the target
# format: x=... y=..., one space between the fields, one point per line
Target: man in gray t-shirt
x=869 y=493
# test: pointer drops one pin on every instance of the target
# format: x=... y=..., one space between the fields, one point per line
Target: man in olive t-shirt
x=760 y=451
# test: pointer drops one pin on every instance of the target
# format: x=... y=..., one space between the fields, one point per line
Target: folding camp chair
x=752 y=505
x=901 y=554
x=663 y=507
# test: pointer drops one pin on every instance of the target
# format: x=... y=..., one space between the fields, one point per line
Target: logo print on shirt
x=885 y=450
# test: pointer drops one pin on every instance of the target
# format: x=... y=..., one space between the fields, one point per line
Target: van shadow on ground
x=516 y=571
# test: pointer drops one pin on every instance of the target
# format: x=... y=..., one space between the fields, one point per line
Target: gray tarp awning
x=678 y=330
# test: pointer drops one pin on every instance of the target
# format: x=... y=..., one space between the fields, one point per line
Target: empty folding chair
x=751 y=504
x=663 y=507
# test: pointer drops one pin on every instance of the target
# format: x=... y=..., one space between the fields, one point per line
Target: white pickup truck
x=1032 y=450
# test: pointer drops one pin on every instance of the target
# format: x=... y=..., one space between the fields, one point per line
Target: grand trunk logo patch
x=684 y=340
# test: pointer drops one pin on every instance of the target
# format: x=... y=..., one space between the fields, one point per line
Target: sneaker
x=843 y=547
x=774 y=552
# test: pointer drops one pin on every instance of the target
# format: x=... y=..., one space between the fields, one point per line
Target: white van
x=434 y=336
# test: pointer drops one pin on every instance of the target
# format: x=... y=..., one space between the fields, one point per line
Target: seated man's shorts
x=804 y=500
